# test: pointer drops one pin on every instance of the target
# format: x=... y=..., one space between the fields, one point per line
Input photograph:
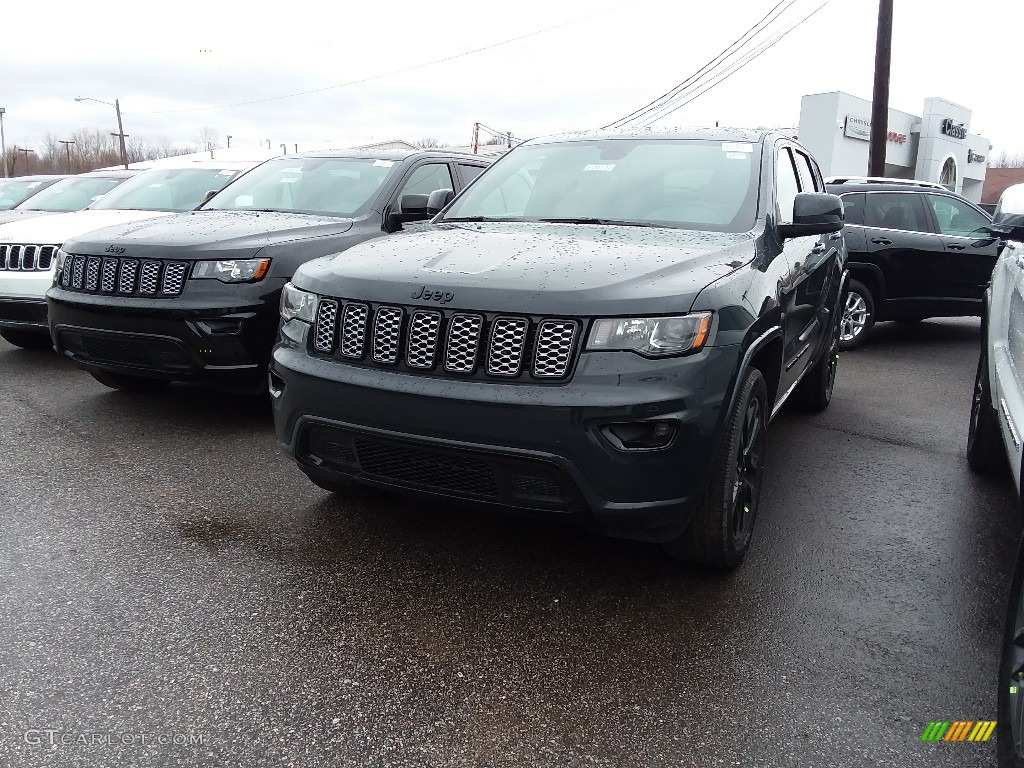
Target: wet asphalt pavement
x=167 y=576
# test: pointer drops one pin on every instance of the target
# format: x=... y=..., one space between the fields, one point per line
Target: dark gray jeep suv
x=600 y=328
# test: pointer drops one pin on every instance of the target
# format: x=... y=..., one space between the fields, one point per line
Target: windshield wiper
x=615 y=222
x=482 y=218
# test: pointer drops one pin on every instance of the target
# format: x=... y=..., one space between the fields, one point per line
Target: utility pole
x=67 y=150
x=3 y=143
x=121 y=134
x=284 y=149
x=476 y=137
x=880 y=97
x=268 y=143
x=26 y=153
x=229 y=141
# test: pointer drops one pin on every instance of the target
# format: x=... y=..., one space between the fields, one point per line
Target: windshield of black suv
x=689 y=184
x=336 y=186
x=170 y=189
x=70 y=194
x=13 y=191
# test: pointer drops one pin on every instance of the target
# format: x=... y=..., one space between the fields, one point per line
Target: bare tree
x=429 y=142
x=1006 y=160
x=208 y=139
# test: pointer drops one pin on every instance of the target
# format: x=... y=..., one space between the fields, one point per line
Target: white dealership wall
x=835 y=126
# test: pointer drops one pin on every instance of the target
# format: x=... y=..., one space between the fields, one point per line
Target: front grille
x=448 y=471
x=26 y=258
x=123 y=276
x=447 y=343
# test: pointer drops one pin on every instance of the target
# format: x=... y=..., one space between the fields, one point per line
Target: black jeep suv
x=195 y=296
x=916 y=251
x=600 y=328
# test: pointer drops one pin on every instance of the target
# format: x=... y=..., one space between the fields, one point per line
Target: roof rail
x=881 y=180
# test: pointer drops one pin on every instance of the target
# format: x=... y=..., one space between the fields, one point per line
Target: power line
x=393 y=72
x=737 y=66
x=741 y=41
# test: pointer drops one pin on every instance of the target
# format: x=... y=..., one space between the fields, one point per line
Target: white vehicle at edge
x=29 y=249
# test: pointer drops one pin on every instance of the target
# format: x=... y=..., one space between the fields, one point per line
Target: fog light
x=641 y=435
x=275 y=384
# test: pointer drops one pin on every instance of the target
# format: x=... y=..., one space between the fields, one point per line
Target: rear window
x=853 y=205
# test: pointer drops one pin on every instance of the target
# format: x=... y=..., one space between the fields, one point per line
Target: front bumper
x=23 y=300
x=217 y=333
x=537 y=449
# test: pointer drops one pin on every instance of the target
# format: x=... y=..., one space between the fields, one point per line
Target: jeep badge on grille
x=442 y=297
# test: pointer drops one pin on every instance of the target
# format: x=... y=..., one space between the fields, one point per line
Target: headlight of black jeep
x=58 y=264
x=232 y=270
x=297 y=304
x=651 y=336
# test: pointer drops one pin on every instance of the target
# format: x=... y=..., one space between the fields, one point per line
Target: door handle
x=881 y=241
x=954 y=246
x=835 y=236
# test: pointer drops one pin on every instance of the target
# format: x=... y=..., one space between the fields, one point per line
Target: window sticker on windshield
x=34 y=184
x=596 y=167
x=729 y=146
x=226 y=173
x=383 y=163
x=735 y=156
x=291 y=170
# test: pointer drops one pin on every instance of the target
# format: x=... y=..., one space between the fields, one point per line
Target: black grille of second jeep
x=123 y=277
x=447 y=342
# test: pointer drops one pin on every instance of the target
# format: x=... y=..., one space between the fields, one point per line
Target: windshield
x=70 y=195
x=706 y=185
x=337 y=186
x=13 y=191
x=173 y=189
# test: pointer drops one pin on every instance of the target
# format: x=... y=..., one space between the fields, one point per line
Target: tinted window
x=427 y=179
x=955 y=217
x=705 y=185
x=853 y=205
x=808 y=180
x=335 y=186
x=70 y=194
x=469 y=172
x=171 y=189
x=785 y=186
x=887 y=210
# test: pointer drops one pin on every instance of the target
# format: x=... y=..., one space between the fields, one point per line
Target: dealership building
x=936 y=145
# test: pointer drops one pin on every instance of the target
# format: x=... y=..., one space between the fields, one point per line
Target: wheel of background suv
x=985 y=451
x=27 y=339
x=723 y=522
x=815 y=390
x=127 y=383
x=858 y=315
x=1010 y=706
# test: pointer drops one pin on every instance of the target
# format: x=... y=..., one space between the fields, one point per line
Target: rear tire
x=815 y=390
x=986 y=453
x=719 y=533
x=27 y=339
x=126 y=383
x=858 y=315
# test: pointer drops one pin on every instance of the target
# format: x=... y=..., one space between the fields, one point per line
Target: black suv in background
x=916 y=251
x=195 y=296
x=599 y=329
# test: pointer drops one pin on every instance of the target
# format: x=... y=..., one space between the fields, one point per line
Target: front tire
x=986 y=454
x=858 y=315
x=126 y=383
x=27 y=339
x=719 y=533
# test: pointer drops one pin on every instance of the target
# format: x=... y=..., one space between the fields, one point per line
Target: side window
x=469 y=172
x=853 y=205
x=786 y=186
x=955 y=217
x=808 y=180
x=888 y=210
x=426 y=179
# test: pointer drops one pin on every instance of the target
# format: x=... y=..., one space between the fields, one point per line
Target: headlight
x=297 y=304
x=58 y=262
x=232 y=271
x=651 y=336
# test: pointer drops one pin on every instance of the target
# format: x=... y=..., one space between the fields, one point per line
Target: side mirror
x=814 y=213
x=437 y=200
x=414 y=207
x=209 y=196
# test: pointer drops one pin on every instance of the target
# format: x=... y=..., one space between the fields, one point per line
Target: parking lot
x=166 y=576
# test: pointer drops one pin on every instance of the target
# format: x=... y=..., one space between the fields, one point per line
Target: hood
x=191 y=235
x=55 y=229
x=19 y=214
x=533 y=268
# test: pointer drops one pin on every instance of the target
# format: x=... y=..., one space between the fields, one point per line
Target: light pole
x=67 y=149
x=284 y=149
x=229 y=141
x=3 y=144
x=120 y=127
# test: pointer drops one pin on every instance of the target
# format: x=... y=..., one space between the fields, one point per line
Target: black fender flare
x=863 y=266
x=774 y=332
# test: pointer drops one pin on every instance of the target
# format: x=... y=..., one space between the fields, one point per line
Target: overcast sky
x=596 y=61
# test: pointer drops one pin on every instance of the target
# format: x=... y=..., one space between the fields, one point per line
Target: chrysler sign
x=859 y=128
